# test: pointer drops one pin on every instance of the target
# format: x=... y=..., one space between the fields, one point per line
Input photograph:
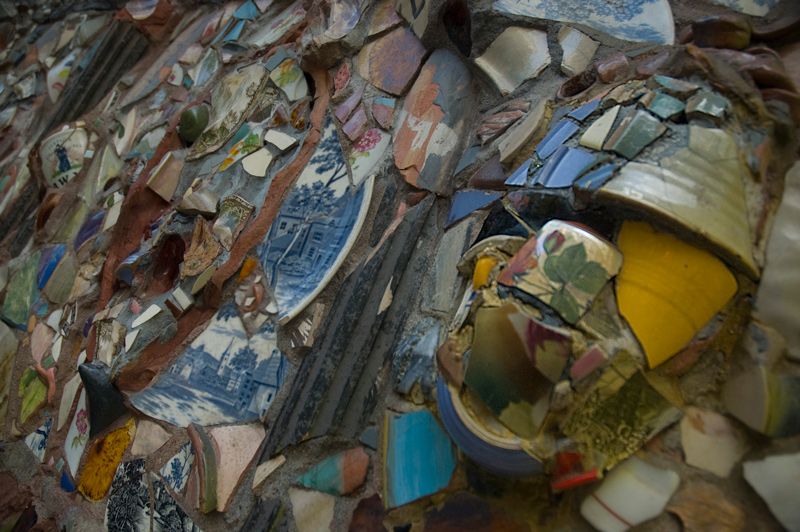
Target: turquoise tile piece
x=22 y=294
x=235 y=32
x=247 y=11
x=634 y=134
x=556 y=137
x=563 y=167
x=419 y=458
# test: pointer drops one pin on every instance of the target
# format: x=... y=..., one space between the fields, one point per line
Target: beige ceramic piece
x=257 y=163
x=312 y=510
x=577 y=50
x=67 y=398
x=266 y=469
x=595 y=135
x=416 y=13
x=164 y=179
x=237 y=446
x=62 y=155
x=509 y=71
x=149 y=438
x=521 y=133
x=710 y=441
x=282 y=141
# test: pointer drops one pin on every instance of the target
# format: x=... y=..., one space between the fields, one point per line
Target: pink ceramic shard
x=343 y=111
x=590 y=361
x=383 y=111
x=341 y=78
x=236 y=448
x=356 y=126
x=391 y=62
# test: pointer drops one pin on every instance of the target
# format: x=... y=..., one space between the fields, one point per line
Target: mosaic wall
x=413 y=265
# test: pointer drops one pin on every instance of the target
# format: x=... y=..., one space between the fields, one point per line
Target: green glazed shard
x=634 y=134
x=21 y=294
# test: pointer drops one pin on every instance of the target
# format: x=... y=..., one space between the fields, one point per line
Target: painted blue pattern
x=222 y=377
x=176 y=470
x=37 y=440
x=631 y=20
x=314 y=229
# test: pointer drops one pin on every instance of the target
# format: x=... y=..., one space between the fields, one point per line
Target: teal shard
x=247 y=11
x=419 y=458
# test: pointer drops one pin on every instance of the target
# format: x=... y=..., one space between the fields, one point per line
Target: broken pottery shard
x=634 y=134
x=383 y=111
x=106 y=403
x=498 y=123
x=102 y=462
x=236 y=448
x=632 y=493
x=21 y=294
x=202 y=250
x=33 y=391
x=341 y=78
x=407 y=475
x=357 y=124
x=176 y=470
x=312 y=510
x=234 y=212
x=521 y=132
x=206 y=470
x=765 y=401
x=577 y=50
x=254 y=369
x=203 y=202
x=508 y=71
x=667 y=289
x=164 y=179
x=775 y=480
x=290 y=79
x=167 y=514
x=413 y=367
x=266 y=469
x=432 y=122
x=648 y=22
x=77 y=435
x=502 y=374
x=149 y=438
x=60 y=284
x=556 y=137
x=37 y=440
x=339 y=474
x=614 y=68
x=344 y=110
x=490 y=176
x=465 y=202
x=665 y=106
x=391 y=61
x=257 y=163
x=367 y=154
x=702 y=507
x=280 y=140
x=589 y=263
x=385 y=17
x=67 y=399
x=709 y=106
x=710 y=442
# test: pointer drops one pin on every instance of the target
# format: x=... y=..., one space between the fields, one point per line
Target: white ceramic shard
x=777 y=479
x=149 y=438
x=266 y=469
x=509 y=71
x=280 y=140
x=312 y=510
x=577 y=50
x=257 y=163
x=77 y=436
x=779 y=289
x=632 y=493
x=710 y=441
x=521 y=133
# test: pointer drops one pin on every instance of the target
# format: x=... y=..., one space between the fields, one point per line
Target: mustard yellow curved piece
x=667 y=289
x=482 y=269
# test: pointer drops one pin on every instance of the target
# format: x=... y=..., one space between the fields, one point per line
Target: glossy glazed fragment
x=102 y=462
x=339 y=474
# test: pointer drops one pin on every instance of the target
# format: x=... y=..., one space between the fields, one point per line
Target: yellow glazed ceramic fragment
x=482 y=270
x=667 y=289
x=103 y=461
